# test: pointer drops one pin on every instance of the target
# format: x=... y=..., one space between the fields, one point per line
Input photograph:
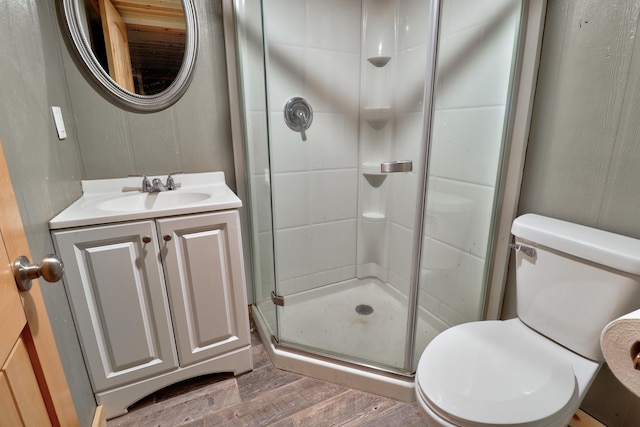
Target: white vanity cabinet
x=157 y=301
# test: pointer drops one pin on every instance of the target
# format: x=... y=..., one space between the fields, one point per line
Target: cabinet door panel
x=205 y=276
x=118 y=290
x=206 y=262
x=118 y=297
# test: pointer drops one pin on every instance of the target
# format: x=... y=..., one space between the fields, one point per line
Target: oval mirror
x=141 y=51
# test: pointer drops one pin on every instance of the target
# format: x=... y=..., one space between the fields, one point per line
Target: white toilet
x=534 y=370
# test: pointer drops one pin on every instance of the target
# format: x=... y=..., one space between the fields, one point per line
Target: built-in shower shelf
x=379 y=61
x=374 y=216
x=377 y=117
x=366 y=166
x=375 y=179
x=369 y=168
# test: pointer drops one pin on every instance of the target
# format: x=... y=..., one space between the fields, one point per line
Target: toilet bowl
x=534 y=370
x=500 y=373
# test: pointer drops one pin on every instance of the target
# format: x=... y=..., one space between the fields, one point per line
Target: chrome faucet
x=156 y=185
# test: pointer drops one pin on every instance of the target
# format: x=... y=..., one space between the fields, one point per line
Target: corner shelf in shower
x=373 y=176
x=379 y=61
x=371 y=168
x=377 y=117
x=374 y=216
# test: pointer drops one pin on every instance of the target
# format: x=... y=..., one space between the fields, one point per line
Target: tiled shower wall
x=314 y=52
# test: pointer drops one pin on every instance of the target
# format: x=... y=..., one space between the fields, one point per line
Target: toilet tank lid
x=599 y=246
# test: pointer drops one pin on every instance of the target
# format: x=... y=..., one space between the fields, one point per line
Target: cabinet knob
x=50 y=269
x=167 y=237
x=146 y=239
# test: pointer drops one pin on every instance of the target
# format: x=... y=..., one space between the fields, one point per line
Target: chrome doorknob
x=50 y=269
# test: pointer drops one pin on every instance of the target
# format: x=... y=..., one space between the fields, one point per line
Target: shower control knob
x=50 y=269
x=298 y=115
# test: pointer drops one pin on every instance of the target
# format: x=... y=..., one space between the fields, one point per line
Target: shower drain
x=364 y=309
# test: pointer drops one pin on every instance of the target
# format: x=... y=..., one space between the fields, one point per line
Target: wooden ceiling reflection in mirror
x=140 y=43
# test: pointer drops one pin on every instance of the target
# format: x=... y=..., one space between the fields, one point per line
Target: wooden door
x=117 y=44
x=33 y=388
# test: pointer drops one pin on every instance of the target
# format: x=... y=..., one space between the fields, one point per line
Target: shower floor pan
x=331 y=333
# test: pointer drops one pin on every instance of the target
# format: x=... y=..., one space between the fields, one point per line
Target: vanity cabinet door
x=203 y=267
x=115 y=283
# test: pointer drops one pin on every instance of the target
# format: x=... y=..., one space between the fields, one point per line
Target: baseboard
x=582 y=419
x=99 y=418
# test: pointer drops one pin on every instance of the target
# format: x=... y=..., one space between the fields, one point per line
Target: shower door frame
x=421 y=203
x=517 y=133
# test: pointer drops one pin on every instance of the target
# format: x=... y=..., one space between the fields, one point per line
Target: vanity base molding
x=115 y=402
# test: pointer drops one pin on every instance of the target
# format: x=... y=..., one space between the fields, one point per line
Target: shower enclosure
x=375 y=131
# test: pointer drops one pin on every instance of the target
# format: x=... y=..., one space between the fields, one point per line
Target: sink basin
x=151 y=201
x=106 y=201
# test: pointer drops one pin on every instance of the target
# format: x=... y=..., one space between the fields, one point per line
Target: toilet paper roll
x=620 y=343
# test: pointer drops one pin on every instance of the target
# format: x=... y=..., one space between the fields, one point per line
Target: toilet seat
x=488 y=373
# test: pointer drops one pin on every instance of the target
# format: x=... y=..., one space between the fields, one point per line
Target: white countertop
x=106 y=201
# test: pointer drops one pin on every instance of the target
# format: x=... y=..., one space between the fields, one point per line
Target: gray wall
x=38 y=71
x=583 y=156
x=45 y=171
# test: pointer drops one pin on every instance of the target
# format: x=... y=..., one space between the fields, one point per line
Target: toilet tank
x=578 y=280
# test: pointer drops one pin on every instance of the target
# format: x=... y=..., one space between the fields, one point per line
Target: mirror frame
x=131 y=100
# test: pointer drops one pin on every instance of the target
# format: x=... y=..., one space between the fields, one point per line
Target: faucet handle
x=146 y=185
x=171 y=184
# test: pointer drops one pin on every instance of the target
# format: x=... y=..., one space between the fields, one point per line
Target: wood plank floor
x=266 y=396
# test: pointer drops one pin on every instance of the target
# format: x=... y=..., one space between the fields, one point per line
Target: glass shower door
x=346 y=191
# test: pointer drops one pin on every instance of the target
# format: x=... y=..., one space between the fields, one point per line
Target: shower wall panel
x=313 y=51
x=475 y=55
